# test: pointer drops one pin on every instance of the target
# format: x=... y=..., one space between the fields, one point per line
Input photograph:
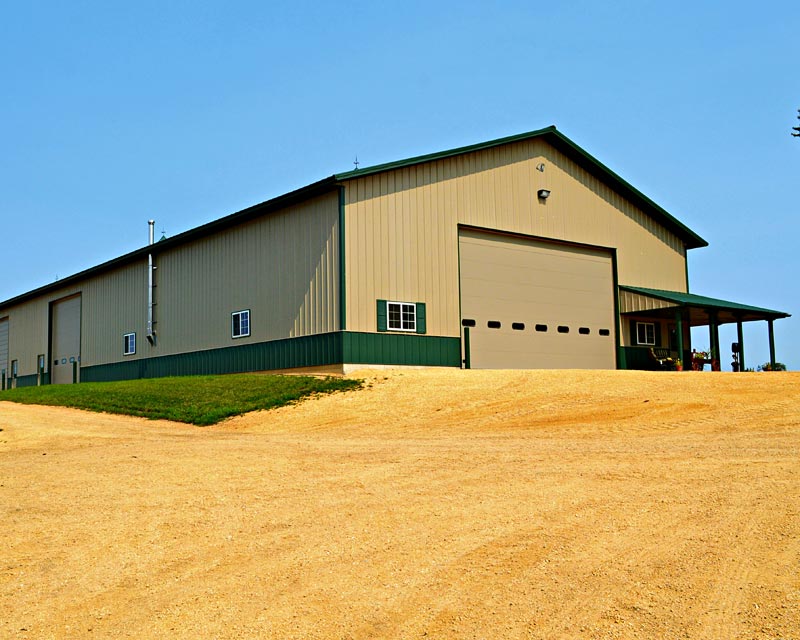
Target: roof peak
x=570 y=149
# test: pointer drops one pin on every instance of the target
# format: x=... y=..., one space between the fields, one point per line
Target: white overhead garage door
x=533 y=304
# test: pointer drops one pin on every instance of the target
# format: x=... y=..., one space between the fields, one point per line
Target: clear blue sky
x=113 y=113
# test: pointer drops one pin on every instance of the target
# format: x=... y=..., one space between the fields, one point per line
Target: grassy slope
x=199 y=400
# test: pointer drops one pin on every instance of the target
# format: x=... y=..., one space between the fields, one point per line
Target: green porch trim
x=306 y=351
x=620 y=363
x=622 y=358
x=744 y=311
x=401 y=349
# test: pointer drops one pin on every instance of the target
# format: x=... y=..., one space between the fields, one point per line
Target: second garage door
x=533 y=304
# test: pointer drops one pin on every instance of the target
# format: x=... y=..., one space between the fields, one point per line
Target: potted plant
x=678 y=365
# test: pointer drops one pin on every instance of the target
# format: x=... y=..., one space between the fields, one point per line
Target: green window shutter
x=421 y=325
x=657 y=328
x=634 y=336
x=381 y=315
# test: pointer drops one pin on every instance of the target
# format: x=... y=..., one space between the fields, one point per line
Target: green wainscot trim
x=402 y=349
x=27 y=381
x=637 y=358
x=307 y=351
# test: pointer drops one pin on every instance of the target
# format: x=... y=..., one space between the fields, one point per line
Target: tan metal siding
x=114 y=303
x=401 y=237
x=282 y=267
x=4 y=361
x=630 y=302
x=28 y=330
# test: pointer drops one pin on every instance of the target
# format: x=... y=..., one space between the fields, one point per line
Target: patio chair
x=662 y=359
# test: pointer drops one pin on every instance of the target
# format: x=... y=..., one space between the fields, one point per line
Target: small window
x=493 y=324
x=402 y=316
x=40 y=363
x=541 y=328
x=14 y=368
x=604 y=332
x=518 y=326
x=646 y=333
x=240 y=324
x=563 y=329
x=584 y=331
x=128 y=344
x=467 y=323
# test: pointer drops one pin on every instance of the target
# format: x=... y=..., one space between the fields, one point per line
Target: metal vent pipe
x=151 y=334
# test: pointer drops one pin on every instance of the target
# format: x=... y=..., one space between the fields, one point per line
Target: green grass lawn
x=199 y=400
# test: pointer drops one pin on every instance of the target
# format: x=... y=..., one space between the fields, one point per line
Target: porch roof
x=698 y=307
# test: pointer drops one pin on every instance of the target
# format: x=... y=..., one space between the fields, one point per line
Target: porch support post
x=740 y=338
x=713 y=334
x=771 y=344
x=679 y=332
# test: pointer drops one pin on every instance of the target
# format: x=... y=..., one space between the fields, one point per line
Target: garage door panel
x=511 y=280
x=65 y=338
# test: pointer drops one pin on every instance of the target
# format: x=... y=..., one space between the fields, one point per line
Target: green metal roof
x=264 y=208
x=566 y=146
x=737 y=310
x=550 y=134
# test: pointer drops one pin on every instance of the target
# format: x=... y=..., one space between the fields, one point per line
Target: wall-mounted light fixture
x=543 y=194
x=540 y=167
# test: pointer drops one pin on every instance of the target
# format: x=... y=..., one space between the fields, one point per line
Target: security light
x=543 y=194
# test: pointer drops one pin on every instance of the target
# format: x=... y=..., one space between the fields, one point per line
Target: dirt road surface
x=432 y=504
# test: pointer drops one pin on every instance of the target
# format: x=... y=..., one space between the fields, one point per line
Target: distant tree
x=796 y=130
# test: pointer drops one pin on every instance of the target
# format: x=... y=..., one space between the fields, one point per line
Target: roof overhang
x=658 y=303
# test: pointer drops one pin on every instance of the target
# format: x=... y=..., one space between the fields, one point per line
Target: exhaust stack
x=151 y=332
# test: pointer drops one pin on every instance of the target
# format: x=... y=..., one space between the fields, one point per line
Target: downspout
x=151 y=334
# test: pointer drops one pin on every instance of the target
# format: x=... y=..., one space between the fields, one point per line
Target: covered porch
x=658 y=319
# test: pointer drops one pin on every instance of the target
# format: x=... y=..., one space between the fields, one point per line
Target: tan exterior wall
x=112 y=304
x=630 y=302
x=284 y=267
x=401 y=226
x=27 y=329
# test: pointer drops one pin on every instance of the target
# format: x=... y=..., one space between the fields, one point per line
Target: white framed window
x=646 y=333
x=401 y=316
x=128 y=344
x=240 y=324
